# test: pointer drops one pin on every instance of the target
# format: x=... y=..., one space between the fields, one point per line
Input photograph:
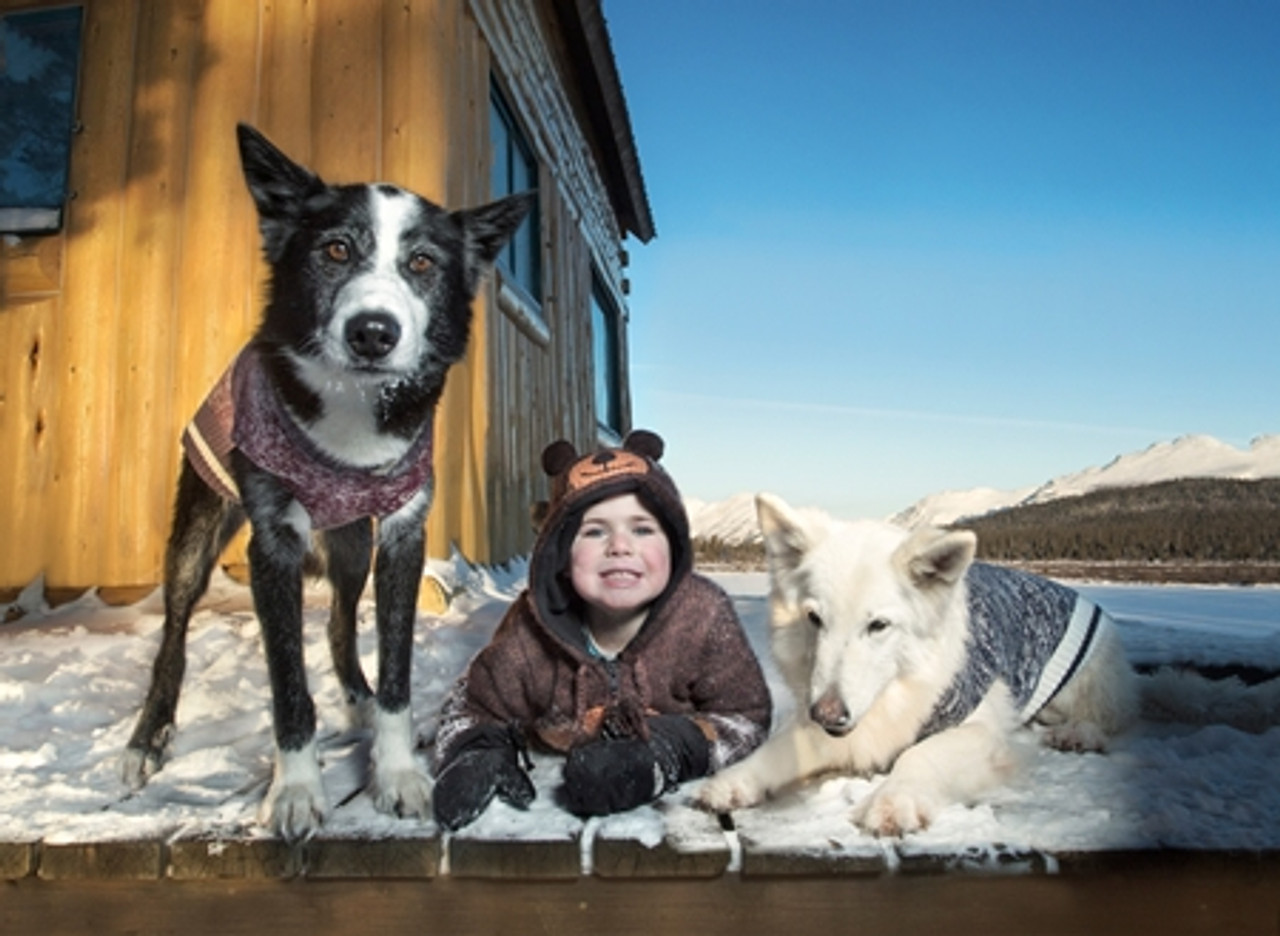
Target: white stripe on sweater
x=1072 y=653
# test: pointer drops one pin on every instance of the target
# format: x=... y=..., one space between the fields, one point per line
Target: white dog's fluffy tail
x=1171 y=694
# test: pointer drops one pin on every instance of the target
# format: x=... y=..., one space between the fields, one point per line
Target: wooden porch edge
x=1168 y=894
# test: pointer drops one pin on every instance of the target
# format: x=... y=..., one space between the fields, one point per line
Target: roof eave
x=587 y=41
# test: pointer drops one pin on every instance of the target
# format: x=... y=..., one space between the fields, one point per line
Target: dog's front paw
x=403 y=793
x=295 y=805
x=142 y=758
x=294 y=812
x=896 y=809
x=733 y=788
x=400 y=787
x=1076 y=737
x=137 y=766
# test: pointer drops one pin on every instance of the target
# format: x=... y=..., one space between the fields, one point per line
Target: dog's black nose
x=830 y=713
x=372 y=335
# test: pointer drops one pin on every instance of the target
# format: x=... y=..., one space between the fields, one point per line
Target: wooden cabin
x=122 y=304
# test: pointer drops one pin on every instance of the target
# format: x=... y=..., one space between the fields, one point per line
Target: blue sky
x=905 y=247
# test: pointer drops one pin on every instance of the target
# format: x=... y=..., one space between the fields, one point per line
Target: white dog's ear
x=786 y=536
x=932 y=556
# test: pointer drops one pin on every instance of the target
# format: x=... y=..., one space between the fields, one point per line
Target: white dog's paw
x=1080 y=737
x=403 y=793
x=733 y=788
x=895 y=809
x=295 y=805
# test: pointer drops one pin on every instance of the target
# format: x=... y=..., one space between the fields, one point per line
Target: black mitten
x=484 y=764
x=610 y=776
x=614 y=775
x=683 y=751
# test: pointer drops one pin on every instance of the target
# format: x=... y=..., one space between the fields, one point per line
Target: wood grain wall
x=112 y=331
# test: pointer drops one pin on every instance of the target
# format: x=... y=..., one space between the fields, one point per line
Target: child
x=617 y=654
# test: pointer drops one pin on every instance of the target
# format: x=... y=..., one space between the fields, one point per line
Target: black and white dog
x=323 y=424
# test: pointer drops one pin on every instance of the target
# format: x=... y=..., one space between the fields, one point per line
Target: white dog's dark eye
x=420 y=262
x=337 y=251
x=814 y=617
x=876 y=625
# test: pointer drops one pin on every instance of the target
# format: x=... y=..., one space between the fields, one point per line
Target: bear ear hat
x=642 y=442
x=558 y=456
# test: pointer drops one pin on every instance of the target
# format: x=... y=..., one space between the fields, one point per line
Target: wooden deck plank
x=390 y=858
x=104 y=861
x=1189 y=894
x=202 y=856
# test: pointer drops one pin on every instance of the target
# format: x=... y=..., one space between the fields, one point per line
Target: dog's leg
x=957 y=765
x=281 y=530
x=203 y=524
x=400 y=784
x=348 y=553
x=1100 y=701
x=800 y=750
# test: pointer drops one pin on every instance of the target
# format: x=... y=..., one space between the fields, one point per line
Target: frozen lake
x=1213 y=625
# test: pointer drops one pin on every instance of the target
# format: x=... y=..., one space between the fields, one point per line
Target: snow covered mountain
x=1193 y=456
x=729 y=521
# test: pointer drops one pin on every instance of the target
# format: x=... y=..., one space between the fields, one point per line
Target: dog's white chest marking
x=348 y=429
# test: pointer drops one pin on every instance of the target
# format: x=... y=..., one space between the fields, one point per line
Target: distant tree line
x=1193 y=519
x=716 y=553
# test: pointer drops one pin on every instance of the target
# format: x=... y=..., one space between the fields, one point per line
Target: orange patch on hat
x=605 y=465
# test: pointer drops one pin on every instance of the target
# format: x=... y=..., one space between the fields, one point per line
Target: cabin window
x=519 y=265
x=606 y=353
x=39 y=58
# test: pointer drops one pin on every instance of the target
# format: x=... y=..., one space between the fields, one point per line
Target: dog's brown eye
x=419 y=262
x=337 y=251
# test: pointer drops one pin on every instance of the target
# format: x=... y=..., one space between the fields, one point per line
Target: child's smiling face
x=620 y=560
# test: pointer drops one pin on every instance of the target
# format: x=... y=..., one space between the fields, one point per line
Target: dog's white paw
x=1080 y=737
x=295 y=806
x=294 y=812
x=732 y=788
x=896 y=809
x=400 y=786
x=137 y=764
x=403 y=793
x=136 y=768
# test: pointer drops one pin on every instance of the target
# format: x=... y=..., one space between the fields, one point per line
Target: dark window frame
x=38 y=115
x=606 y=360
x=515 y=169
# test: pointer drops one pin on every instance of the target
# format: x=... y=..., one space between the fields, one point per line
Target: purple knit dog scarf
x=244 y=412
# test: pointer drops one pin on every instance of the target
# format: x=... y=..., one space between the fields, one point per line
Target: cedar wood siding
x=112 y=330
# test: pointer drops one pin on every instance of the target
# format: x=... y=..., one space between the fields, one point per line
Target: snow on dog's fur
x=871 y=627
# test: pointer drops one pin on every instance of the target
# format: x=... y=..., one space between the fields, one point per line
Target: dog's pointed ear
x=488 y=228
x=279 y=186
x=933 y=556
x=787 y=538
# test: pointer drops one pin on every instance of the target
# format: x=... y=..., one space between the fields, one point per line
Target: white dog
x=906 y=656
